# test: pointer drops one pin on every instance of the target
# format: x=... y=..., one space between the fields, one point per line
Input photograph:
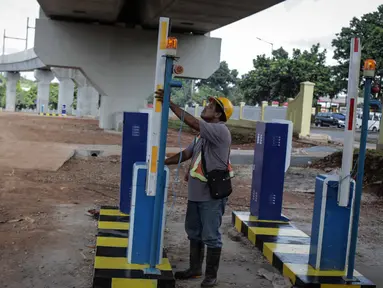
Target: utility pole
x=272 y=49
x=271 y=44
x=26 y=38
x=17 y=38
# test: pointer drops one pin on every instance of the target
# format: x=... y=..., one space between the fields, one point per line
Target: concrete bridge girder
x=22 y=61
x=119 y=62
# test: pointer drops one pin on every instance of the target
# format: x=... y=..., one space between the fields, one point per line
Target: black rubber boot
x=197 y=251
x=212 y=264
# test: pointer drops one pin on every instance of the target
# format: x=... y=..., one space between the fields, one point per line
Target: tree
x=204 y=92
x=2 y=91
x=370 y=29
x=182 y=96
x=222 y=80
x=279 y=77
x=53 y=96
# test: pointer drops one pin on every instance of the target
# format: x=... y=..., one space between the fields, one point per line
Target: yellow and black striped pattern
x=111 y=267
x=287 y=249
x=52 y=114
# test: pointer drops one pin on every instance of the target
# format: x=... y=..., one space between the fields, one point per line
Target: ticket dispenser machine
x=331 y=225
x=272 y=147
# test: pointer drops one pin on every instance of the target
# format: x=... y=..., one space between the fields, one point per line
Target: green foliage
x=74 y=104
x=53 y=96
x=27 y=99
x=184 y=95
x=370 y=29
x=204 y=92
x=222 y=80
x=222 y=83
x=26 y=94
x=2 y=91
x=279 y=77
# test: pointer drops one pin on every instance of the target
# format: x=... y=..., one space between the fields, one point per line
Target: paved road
x=337 y=134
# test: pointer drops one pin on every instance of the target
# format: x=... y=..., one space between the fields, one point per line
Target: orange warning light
x=369 y=64
x=178 y=69
x=172 y=43
x=369 y=68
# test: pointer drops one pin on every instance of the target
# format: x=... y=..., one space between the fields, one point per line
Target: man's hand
x=159 y=95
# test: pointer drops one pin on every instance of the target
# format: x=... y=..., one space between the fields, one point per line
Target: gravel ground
x=46 y=240
x=50 y=230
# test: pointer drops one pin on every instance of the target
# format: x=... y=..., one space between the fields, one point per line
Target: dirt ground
x=26 y=127
x=47 y=240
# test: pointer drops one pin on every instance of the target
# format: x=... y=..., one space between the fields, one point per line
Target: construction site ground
x=47 y=239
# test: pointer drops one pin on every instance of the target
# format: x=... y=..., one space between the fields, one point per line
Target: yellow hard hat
x=225 y=104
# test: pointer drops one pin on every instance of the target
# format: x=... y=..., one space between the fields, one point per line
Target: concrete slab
x=287 y=249
x=111 y=268
x=34 y=155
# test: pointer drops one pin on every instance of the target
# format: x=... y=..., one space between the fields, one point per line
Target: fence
x=248 y=112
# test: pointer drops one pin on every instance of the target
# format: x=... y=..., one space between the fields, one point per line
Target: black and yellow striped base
x=111 y=267
x=287 y=249
x=52 y=114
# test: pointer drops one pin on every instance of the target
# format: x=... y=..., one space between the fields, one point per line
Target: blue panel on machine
x=330 y=226
x=134 y=145
x=141 y=218
x=269 y=170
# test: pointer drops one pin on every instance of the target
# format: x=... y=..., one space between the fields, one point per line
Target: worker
x=204 y=213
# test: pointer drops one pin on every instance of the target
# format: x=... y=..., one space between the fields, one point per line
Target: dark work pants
x=203 y=220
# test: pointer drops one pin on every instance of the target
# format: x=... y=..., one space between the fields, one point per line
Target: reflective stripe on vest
x=196 y=167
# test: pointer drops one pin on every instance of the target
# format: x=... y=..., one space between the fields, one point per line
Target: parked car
x=326 y=119
x=341 y=119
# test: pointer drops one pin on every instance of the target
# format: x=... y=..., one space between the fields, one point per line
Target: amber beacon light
x=369 y=68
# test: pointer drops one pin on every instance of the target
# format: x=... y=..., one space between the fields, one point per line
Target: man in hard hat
x=204 y=214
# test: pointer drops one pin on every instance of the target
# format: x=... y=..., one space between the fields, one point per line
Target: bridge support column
x=66 y=88
x=87 y=97
x=107 y=118
x=10 y=100
x=87 y=101
x=44 y=78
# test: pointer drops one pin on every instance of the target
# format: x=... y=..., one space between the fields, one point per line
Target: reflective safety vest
x=196 y=166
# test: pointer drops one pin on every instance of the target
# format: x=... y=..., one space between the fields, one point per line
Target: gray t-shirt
x=216 y=140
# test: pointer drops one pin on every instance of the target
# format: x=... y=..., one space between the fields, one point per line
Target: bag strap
x=204 y=170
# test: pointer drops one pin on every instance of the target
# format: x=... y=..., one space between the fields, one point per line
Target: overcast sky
x=292 y=24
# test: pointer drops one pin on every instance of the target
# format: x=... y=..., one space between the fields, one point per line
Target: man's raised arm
x=186 y=155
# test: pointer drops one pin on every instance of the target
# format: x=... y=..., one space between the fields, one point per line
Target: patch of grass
x=242 y=131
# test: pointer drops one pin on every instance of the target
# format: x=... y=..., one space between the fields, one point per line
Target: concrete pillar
x=299 y=109
x=106 y=118
x=87 y=101
x=10 y=98
x=241 y=106
x=44 y=79
x=263 y=107
x=87 y=97
x=66 y=88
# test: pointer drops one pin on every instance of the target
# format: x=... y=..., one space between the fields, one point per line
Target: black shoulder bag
x=219 y=181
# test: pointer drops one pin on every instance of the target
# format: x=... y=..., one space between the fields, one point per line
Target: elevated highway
x=196 y=16
x=113 y=44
